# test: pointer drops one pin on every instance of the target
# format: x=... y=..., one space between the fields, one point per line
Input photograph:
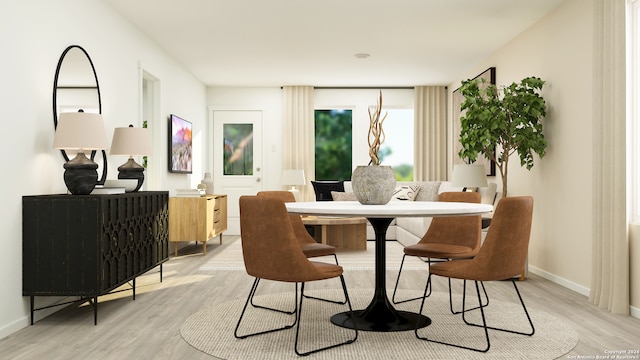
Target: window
x=397 y=149
x=238 y=149
x=333 y=144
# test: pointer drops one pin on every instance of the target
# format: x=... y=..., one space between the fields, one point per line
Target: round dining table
x=380 y=315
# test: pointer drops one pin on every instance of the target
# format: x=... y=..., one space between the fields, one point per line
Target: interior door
x=237 y=144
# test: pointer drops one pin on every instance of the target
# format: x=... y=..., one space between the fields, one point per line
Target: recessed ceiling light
x=362 y=55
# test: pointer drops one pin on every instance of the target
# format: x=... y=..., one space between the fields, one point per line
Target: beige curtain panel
x=298 y=135
x=430 y=136
x=610 y=258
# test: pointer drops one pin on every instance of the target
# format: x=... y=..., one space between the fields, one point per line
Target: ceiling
x=304 y=42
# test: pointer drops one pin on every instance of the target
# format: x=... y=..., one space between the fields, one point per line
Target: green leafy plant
x=500 y=122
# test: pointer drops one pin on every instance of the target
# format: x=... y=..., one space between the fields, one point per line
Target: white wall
x=558 y=49
x=33 y=34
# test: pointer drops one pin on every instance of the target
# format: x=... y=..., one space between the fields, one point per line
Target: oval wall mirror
x=76 y=88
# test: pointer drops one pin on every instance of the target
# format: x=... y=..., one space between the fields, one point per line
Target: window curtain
x=610 y=258
x=430 y=135
x=298 y=135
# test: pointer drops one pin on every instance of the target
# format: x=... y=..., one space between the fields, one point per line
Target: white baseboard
x=633 y=311
x=560 y=281
x=14 y=326
x=25 y=321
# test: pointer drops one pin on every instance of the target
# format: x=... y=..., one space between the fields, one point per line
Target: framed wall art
x=456 y=101
x=180 y=145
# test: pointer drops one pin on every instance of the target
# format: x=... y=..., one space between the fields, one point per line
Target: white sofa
x=409 y=230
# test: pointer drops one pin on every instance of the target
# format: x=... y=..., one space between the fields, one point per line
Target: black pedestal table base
x=380 y=315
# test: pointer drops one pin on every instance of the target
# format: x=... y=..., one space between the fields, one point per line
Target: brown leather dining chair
x=310 y=247
x=501 y=257
x=271 y=251
x=448 y=237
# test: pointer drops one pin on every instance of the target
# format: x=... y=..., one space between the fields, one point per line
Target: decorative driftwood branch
x=376 y=135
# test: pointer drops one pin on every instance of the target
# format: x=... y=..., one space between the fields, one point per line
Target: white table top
x=390 y=210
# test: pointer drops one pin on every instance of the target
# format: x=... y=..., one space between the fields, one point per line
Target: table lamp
x=469 y=176
x=131 y=141
x=293 y=177
x=80 y=131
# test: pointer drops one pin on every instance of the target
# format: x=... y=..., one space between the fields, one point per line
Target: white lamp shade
x=469 y=175
x=131 y=141
x=293 y=177
x=80 y=131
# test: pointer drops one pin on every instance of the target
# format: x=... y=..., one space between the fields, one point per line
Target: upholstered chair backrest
x=456 y=230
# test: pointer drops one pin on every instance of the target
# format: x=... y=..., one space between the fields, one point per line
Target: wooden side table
x=197 y=219
x=345 y=233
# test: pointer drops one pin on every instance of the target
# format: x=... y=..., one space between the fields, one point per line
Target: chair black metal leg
x=484 y=321
x=251 y=293
x=458 y=312
x=486 y=331
x=533 y=330
x=393 y=297
x=299 y=316
x=339 y=302
x=288 y=312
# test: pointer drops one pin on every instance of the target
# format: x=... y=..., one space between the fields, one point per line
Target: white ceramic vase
x=208 y=182
x=373 y=185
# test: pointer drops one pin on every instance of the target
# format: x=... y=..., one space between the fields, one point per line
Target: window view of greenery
x=397 y=149
x=238 y=149
x=333 y=144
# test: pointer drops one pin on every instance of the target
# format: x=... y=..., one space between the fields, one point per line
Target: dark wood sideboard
x=89 y=245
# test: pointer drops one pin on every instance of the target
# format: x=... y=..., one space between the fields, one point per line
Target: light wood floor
x=148 y=328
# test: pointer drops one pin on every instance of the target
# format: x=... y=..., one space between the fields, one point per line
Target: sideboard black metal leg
x=160 y=272
x=95 y=310
x=134 y=288
x=32 y=301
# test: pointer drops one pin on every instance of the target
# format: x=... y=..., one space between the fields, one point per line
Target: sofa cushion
x=414 y=225
x=428 y=191
x=488 y=194
x=447 y=187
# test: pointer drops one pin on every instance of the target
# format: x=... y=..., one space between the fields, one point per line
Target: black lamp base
x=132 y=170
x=80 y=175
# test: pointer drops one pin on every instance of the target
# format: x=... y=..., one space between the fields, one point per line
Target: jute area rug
x=211 y=331
x=230 y=258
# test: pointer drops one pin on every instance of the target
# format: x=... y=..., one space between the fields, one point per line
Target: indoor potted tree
x=500 y=122
x=374 y=184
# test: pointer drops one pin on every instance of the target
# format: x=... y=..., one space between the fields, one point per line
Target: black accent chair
x=323 y=189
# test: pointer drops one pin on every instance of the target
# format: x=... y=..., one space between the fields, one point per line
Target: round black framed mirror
x=76 y=88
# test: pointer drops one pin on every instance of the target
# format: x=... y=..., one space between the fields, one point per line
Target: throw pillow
x=428 y=191
x=406 y=192
x=343 y=196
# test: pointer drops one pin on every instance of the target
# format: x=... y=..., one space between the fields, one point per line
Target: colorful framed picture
x=180 y=145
